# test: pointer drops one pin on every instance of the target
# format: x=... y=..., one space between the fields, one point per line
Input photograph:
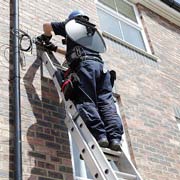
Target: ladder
x=103 y=163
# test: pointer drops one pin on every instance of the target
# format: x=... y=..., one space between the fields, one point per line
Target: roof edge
x=162 y=9
x=172 y=3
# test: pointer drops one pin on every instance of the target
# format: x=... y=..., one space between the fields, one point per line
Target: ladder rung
x=111 y=155
x=59 y=67
x=111 y=152
x=81 y=178
x=125 y=176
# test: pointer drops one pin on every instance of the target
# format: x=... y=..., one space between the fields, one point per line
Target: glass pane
x=109 y=24
x=126 y=10
x=132 y=36
x=109 y=3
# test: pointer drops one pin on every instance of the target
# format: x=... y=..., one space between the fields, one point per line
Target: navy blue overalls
x=98 y=109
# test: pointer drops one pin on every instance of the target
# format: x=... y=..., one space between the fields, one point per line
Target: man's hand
x=50 y=46
x=44 y=41
x=44 y=38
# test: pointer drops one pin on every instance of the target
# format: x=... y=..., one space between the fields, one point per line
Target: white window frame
x=128 y=21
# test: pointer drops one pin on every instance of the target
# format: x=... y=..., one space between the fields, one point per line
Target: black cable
x=23 y=36
x=29 y=48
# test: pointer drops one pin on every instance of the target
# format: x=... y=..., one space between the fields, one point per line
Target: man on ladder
x=93 y=95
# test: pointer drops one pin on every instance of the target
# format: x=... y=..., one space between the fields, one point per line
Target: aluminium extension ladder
x=103 y=163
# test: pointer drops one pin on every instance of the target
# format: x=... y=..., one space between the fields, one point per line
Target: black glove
x=44 y=38
x=50 y=46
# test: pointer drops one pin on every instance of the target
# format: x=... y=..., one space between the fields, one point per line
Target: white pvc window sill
x=130 y=46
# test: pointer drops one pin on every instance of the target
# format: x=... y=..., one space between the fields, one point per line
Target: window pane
x=126 y=9
x=109 y=24
x=109 y=3
x=132 y=36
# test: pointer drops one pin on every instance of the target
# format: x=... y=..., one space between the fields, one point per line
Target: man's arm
x=61 y=51
x=47 y=28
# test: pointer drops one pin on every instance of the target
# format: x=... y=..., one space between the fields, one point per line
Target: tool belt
x=71 y=81
x=73 y=57
x=69 y=85
x=78 y=54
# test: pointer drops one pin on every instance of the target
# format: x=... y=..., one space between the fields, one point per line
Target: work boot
x=103 y=142
x=115 y=145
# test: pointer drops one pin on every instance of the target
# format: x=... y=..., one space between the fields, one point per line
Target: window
x=120 y=19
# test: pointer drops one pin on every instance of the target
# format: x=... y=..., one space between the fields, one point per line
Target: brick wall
x=164 y=96
x=45 y=142
x=148 y=96
x=5 y=101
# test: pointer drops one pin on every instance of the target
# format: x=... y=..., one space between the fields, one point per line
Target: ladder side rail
x=96 y=150
x=84 y=132
x=128 y=166
x=92 y=143
x=83 y=147
x=52 y=70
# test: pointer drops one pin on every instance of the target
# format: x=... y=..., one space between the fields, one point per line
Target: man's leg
x=108 y=112
x=86 y=102
x=89 y=114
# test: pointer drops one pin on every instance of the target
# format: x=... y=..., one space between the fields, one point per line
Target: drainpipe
x=16 y=93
